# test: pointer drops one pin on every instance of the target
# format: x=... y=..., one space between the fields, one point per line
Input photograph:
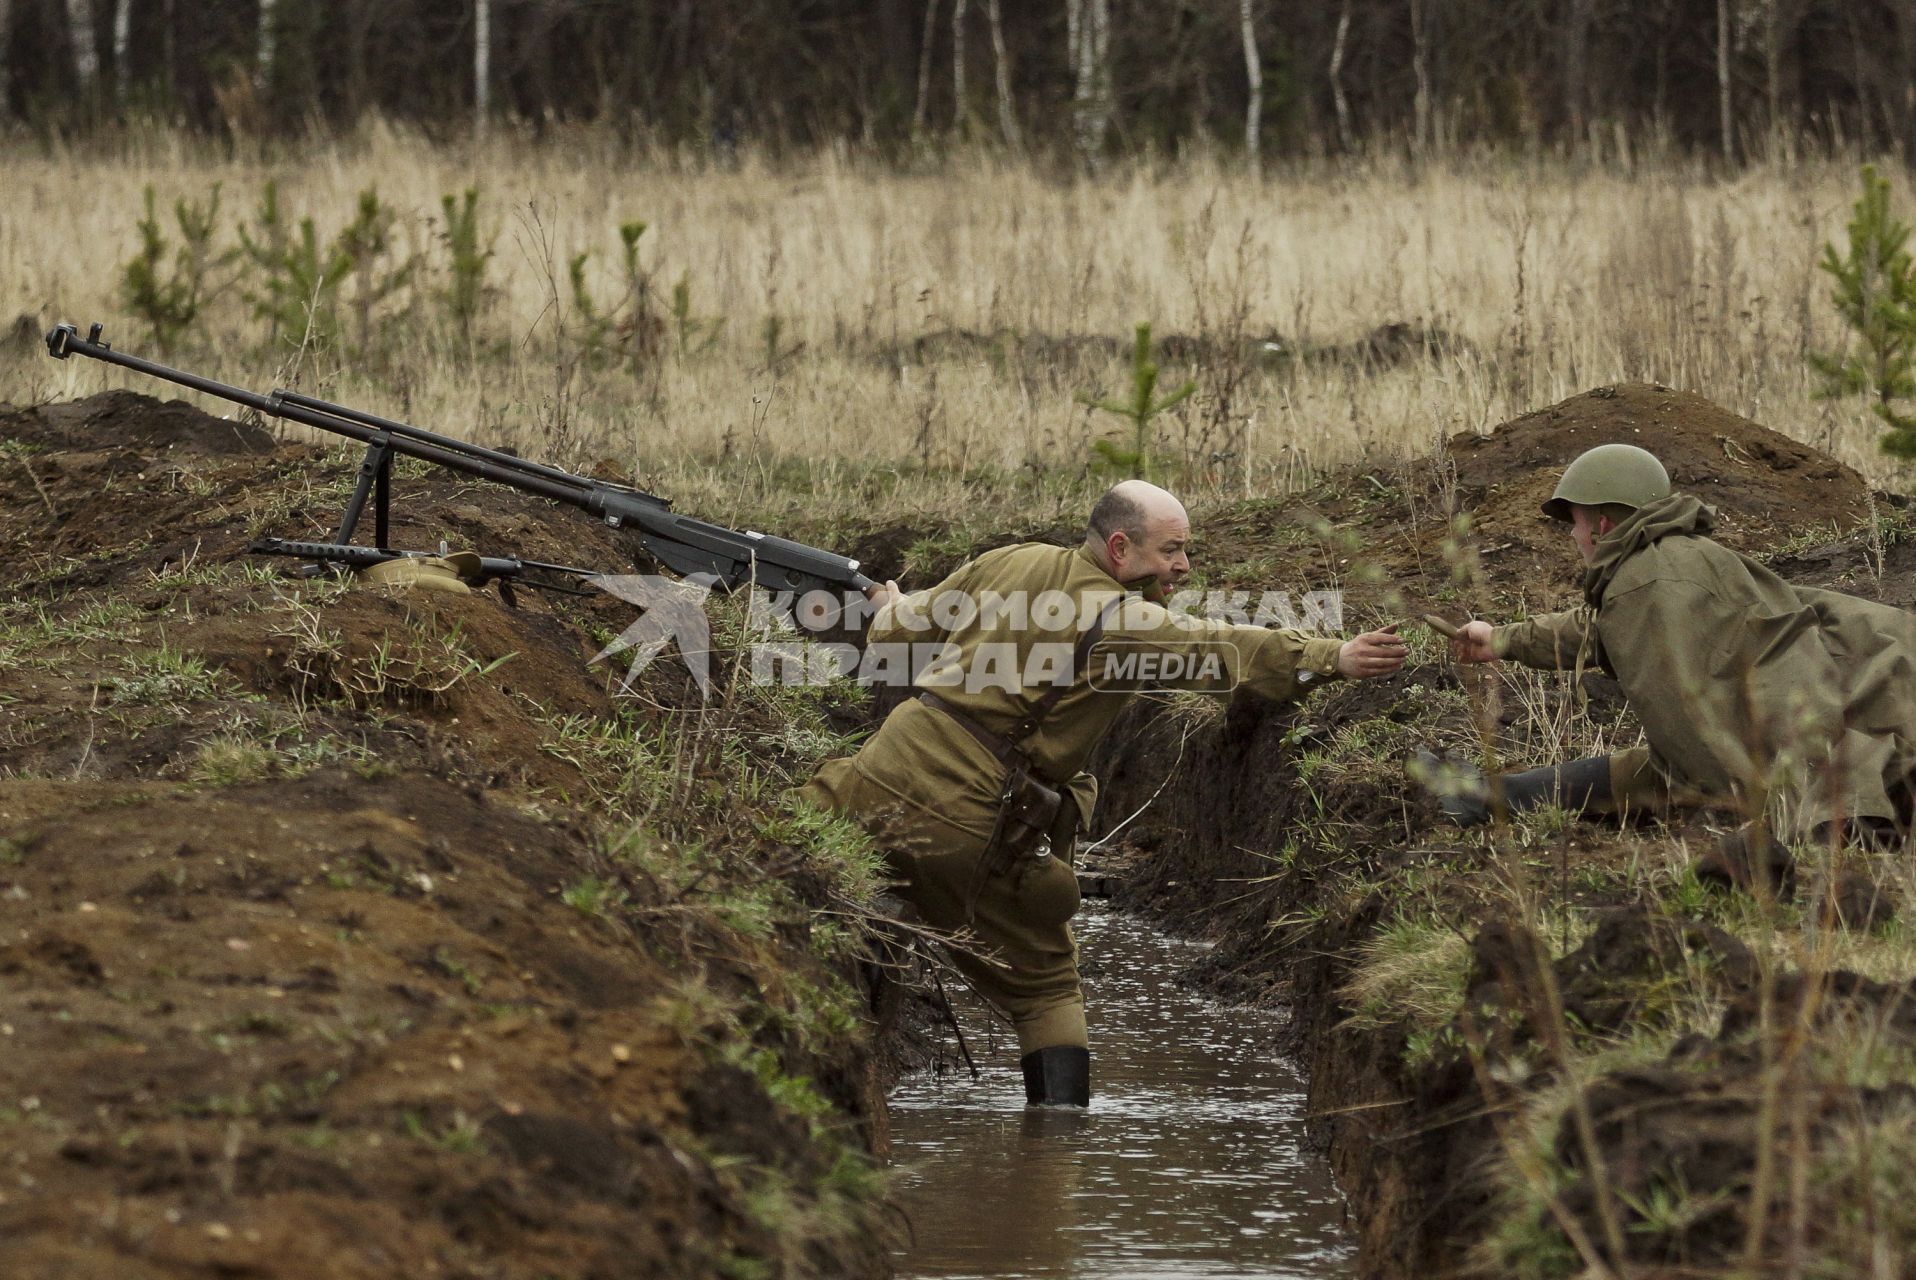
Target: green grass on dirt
x=351 y=933
x=1546 y=1049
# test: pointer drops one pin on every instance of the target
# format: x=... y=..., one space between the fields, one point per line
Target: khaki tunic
x=1746 y=686
x=929 y=791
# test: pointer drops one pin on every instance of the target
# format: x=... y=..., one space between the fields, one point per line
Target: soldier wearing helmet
x=1796 y=705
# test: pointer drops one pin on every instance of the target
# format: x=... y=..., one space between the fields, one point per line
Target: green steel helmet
x=1619 y=473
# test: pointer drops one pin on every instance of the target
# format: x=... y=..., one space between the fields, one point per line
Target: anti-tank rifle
x=728 y=558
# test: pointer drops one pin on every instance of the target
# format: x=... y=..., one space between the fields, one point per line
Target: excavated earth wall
x=346 y=932
x=1292 y=836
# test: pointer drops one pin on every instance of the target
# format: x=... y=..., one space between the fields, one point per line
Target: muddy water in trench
x=1191 y=1161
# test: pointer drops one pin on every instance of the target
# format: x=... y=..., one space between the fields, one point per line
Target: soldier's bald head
x=1132 y=507
x=1141 y=536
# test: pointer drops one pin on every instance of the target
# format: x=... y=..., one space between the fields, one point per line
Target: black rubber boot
x=1057 y=1077
x=1577 y=786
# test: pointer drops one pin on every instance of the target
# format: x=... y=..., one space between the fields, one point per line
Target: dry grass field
x=1623 y=1069
x=1519 y=284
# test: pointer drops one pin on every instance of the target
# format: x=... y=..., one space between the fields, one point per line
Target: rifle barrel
x=407 y=430
x=682 y=543
x=444 y=451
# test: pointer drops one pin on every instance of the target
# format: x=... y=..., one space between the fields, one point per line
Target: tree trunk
x=1254 y=74
x=1337 y=79
x=122 y=30
x=481 y=66
x=1576 y=70
x=1073 y=38
x=169 y=52
x=923 y=108
x=1091 y=96
x=1864 y=112
x=1725 y=122
x=358 y=20
x=960 y=109
x=6 y=70
x=1420 y=70
x=267 y=40
x=1001 y=61
x=1773 y=70
x=86 y=51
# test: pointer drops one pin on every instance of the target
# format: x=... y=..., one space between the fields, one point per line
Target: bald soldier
x=1794 y=701
x=974 y=787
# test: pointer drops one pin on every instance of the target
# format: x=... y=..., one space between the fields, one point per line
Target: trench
x=1192 y=1160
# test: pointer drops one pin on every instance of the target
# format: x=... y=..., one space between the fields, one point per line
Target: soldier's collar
x=1090 y=557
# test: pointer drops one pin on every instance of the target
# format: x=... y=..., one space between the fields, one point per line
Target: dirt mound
x=1390 y=528
x=189 y=488
x=126 y=419
x=270 y=989
x=1875 y=561
x=1764 y=485
x=339 y=937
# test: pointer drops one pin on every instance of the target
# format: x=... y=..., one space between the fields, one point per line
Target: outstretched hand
x=1472 y=643
x=1373 y=654
x=882 y=593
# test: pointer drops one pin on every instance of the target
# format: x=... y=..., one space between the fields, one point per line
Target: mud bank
x=1551 y=1047
x=346 y=932
x=352 y=933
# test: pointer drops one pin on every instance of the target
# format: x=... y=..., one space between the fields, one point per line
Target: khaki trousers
x=1015 y=944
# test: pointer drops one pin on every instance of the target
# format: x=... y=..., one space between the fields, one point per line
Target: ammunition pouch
x=1027 y=813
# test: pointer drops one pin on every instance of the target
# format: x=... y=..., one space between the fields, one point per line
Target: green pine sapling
x=1875 y=295
x=169 y=299
x=1140 y=411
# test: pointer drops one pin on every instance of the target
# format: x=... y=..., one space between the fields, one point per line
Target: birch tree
x=1338 y=99
x=267 y=35
x=922 y=109
x=481 y=65
x=122 y=31
x=1001 y=61
x=1254 y=74
x=1088 y=30
x=86 y=52
x=960 y=112
x=1420 y=71
x=1724 y=120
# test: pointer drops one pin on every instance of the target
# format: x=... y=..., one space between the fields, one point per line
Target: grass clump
x=167 y=677
x=226 y=761
x=1410 y=970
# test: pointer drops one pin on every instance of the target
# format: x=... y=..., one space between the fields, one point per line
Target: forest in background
x=1736 y=79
